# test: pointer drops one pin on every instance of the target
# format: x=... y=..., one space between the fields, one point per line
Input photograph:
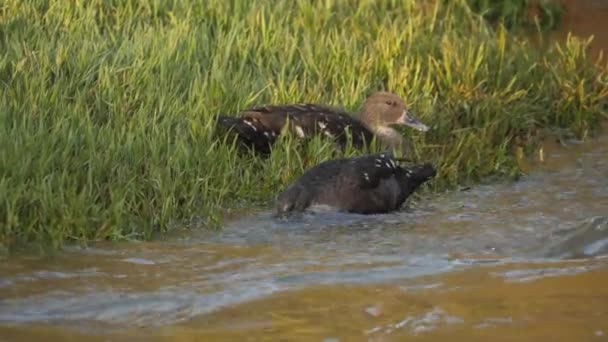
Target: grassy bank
x=107 y=107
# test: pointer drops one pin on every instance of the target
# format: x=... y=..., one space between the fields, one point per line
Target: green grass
x=107 y=106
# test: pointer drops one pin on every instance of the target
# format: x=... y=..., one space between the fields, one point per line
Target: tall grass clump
x=107 y=107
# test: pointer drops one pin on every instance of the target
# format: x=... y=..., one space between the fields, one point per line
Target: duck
x=258 y=128
x=369 y=184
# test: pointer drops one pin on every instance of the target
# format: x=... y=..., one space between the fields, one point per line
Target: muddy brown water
x=584 y=18
x=516 y=261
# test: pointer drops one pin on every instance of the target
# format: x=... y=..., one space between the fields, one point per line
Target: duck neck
x=391 y=138
x=388 y=136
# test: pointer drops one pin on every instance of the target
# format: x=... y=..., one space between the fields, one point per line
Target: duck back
x=259 y=127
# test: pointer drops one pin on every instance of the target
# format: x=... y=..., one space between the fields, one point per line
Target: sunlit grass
x=107 y=107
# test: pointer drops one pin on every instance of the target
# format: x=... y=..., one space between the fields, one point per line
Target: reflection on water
x=590 y=239
x=420 y=272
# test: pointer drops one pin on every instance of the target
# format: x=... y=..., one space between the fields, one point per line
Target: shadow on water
x=509 y=233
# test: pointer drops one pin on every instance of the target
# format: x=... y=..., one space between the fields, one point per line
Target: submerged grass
x=107 y=107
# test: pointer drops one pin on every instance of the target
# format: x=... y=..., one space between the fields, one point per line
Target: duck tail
x=248 y=134
x=232 y=123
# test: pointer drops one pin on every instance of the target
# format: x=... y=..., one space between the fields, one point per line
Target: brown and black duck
x=366 y=185
x=259 y=127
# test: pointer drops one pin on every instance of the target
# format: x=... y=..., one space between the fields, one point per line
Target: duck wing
x=380 y=185
x=259 y=127
x=335 y=124
x=364 y=173
x=307 y=120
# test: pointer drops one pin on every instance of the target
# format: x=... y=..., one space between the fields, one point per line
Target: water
x=474 y=262
x=585 y=18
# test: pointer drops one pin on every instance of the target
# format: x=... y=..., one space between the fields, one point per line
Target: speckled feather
x=259 y=127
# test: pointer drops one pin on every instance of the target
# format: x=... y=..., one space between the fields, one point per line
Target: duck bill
x=408 y=119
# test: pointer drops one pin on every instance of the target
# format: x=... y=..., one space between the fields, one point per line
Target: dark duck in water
x=259 y=127
x=366 y=185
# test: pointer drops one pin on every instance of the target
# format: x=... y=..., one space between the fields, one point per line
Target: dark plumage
x=366 y=185
x=259 y=127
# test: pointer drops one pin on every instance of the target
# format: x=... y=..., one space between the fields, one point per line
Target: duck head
x=383 y=109
x=296 y=198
